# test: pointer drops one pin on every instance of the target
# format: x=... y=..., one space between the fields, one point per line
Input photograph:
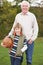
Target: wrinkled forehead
x=25 y=3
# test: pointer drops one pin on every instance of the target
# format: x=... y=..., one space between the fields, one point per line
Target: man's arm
x=35 y=29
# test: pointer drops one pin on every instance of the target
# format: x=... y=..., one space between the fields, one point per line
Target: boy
x=19 y=46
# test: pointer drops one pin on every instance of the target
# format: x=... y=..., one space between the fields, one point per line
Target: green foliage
x=7 y=16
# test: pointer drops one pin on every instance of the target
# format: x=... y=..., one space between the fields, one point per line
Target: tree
x=2 y=2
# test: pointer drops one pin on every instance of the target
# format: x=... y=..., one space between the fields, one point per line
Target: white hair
x=25 y=2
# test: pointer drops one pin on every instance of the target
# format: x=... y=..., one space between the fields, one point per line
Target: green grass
x=37 y=55
x=38 y=52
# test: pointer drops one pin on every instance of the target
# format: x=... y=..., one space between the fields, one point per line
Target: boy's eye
x=17 y=29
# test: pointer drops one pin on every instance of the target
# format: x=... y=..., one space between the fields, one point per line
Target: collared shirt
x=29 y=25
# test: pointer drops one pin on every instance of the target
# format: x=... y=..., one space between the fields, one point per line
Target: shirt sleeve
x=25 y=46
x=35 y=29
x=12 y=30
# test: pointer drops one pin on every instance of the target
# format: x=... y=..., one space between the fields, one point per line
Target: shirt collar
x=25 y=14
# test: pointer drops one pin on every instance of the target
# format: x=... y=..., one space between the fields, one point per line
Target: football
x=8 y=42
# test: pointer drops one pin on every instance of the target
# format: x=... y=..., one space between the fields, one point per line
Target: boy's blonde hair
x=18 y=26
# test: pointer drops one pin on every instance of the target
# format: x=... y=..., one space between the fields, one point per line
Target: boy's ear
x=20 y=33
x=14 y=33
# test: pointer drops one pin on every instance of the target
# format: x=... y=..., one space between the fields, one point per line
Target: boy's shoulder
x=23 y=36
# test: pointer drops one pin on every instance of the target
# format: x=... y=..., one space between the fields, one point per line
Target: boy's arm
x=25 y=46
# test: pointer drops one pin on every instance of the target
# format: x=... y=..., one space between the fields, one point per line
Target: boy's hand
x=3 y=45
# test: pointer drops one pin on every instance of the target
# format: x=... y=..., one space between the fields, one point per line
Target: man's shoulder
x=18 y=14
x=32 y=14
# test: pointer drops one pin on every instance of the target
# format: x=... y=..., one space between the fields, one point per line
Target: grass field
x=37 y=55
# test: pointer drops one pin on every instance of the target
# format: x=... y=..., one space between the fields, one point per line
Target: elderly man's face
x=24 y=8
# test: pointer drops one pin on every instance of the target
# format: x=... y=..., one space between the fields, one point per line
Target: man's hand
x=30 y=41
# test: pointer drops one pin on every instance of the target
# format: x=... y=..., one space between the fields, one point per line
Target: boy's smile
x=17 y=31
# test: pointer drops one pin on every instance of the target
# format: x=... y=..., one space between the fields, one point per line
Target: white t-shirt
x=29 y=25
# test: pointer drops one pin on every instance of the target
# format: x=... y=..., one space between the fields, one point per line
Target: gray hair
x=23 y=2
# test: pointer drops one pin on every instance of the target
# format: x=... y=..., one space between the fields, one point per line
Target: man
x=30 y=28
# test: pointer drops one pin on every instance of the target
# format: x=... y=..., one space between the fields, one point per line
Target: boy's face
x=17 y=31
